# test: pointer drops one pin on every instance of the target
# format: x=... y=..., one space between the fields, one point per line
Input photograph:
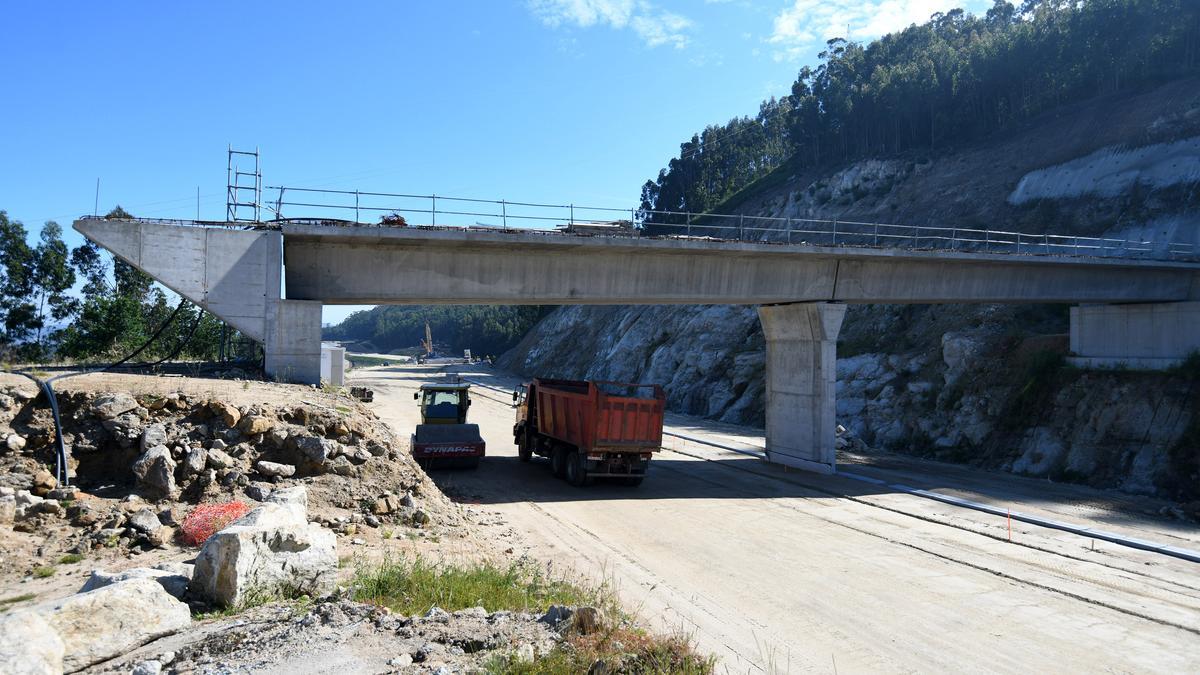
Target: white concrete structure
x=236 y=275
x=333 y=364
x=1136 y=336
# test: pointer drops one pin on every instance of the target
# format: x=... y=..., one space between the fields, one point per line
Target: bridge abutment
x=1149 y=335
x=801 y=383
x=292 y=349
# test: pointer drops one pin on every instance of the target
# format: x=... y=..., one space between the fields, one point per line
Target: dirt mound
x=144 y=455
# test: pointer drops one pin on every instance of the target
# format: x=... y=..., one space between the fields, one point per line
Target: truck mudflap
x=617 y=465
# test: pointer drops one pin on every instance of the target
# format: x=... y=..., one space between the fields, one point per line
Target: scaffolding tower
x=243 y=189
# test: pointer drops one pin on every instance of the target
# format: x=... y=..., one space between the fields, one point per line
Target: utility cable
x=46 y=385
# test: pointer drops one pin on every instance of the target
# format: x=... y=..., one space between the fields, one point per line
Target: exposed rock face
x=710 y=359
x=29 y=645
x=271 y=550
x=109 y=621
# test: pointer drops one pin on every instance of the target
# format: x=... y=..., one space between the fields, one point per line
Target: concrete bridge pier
x=801 y=383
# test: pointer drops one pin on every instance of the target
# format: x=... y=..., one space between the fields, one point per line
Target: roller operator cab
x=444 y=439
x=590 y=430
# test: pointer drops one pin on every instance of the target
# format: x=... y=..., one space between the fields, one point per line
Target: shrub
x=207 y=519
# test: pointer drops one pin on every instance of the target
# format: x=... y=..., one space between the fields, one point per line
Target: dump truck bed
x=601 y=416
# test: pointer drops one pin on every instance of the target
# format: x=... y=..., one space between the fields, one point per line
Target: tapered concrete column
x=801 y=383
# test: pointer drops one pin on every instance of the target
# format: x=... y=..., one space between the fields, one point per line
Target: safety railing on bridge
x=359 y=208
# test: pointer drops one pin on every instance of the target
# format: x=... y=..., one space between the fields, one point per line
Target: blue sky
x=546 y=100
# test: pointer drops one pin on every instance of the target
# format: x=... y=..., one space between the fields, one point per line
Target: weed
x=621 y=649
x=43 y=571
x=207 y=519
x=412 y=585
x=387 y=534
x=70 y=559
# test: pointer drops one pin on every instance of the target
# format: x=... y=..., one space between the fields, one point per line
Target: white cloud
x=798 y=28
x=654 y=26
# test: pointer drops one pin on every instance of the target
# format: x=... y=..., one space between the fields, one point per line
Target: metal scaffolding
x=243 y=189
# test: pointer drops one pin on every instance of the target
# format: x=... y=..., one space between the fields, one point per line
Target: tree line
x=484 y=329
x=952 y=79
x=114 y=310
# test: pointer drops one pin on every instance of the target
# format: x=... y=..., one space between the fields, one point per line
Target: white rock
x=172 y=581
x=271 y=550
x=110 y=621
x=275 y=469
x=151 y=667
x=219 y=459
x=15 y=442
x=29 y=645
x=155 y=434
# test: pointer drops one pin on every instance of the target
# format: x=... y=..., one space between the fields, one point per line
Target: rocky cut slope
x=953 y=382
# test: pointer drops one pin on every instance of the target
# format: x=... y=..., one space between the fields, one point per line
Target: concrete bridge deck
x=270 y=283
x=371 y=265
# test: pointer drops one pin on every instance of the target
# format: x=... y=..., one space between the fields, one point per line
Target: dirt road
x=778 y=571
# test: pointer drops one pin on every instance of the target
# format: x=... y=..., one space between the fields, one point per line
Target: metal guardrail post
x=689 y=224
x=1018 y=242
x=835 y=231
x=789 y=229
x=954 y=239
x=1046 y=242
x=572 y=214
x=433 y=209
x=876 y=239
x=741 y=224
x=356 y=220
x=503 y=214
x=916 y=236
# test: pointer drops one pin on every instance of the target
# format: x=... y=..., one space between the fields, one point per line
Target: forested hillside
x=956 y=78
x=484 y=329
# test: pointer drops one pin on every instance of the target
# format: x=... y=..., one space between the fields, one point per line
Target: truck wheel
x=558 y=462
x=524 y=452
x=577 y=475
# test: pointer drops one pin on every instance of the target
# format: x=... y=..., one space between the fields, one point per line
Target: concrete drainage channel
x=1142 y=544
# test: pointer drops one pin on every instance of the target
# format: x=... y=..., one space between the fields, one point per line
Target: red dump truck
x=590 y=429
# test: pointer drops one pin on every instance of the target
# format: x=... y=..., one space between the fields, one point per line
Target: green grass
x=70 y=559
x=369 y=361
x=6 y=603
x=412 y=585
x=43 y=571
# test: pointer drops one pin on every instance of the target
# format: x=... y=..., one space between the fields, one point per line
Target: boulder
x=155 y=470
x=342 y=466
x=173 y=581
x=145 y=521
x=29 y=646
x=255 y=424
x=126 y=428
x=316 y=449
x=273 y=550
x=43 y=483
x=194 y=460
x=155 y=434
x=275 y=470
x=97 y=625
x=15 y=443
x=8 y=509
x=228 y=414
x=219 y=459
x=108 y=406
